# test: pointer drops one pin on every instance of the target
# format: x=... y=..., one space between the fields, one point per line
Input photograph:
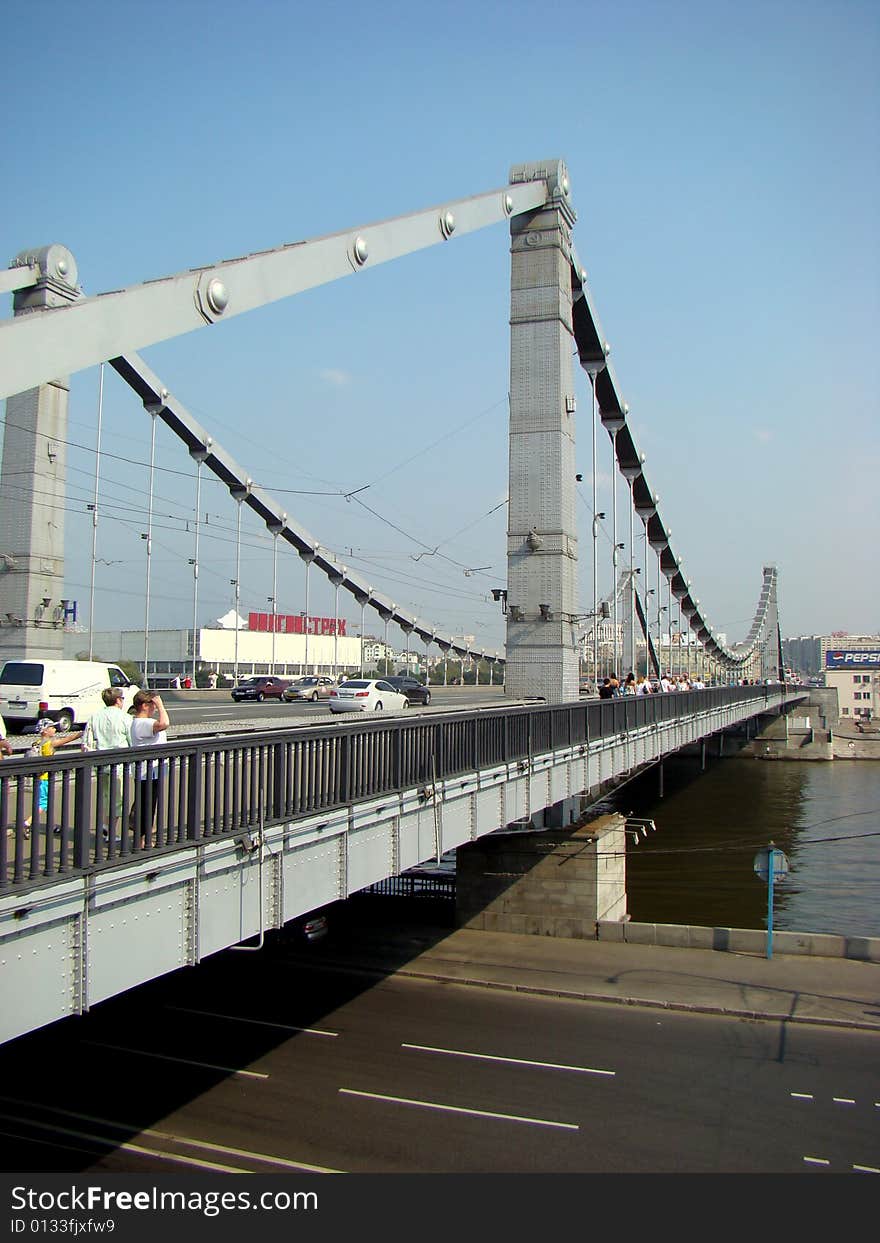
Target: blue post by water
x=770 y=854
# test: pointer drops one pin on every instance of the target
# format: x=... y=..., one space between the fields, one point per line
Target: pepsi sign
x=841 y=658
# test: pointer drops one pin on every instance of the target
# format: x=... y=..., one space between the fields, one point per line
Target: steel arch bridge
x=56 y=331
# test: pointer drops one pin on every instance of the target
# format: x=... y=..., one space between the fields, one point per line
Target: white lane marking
x=802 y=1096
x=170 y=1136
x=513 y=1061
x=243 y=1018
x=843 y=1100
x=105 y=1142
x=241 y=1152
x=816 y=1161
x=866 y=1169
x=183 y=1061
x=459 y=1109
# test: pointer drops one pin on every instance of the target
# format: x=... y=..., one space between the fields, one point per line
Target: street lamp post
x=94 y=509
x=238 y=493
x=152 y=409
x=363 y=601
x=336 y=579
x=308 y=556
x=199 y=455
x=275 y=528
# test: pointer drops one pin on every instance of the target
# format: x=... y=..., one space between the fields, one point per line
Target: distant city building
x=806 y=654
x=855 y=674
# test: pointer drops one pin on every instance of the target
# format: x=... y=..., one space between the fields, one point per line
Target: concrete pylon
x=32 y=483
x=542 y=551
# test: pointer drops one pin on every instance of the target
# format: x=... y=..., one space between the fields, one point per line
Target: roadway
x=217 y=710
x=297 y=1060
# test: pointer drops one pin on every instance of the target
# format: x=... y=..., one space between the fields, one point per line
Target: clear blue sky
x=724 y=165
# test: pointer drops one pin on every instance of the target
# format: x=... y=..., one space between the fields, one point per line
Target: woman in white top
x=147 y=730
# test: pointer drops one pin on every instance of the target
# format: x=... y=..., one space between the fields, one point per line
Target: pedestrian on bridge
x=148 y=729
x=108 y=729
x=48 y=743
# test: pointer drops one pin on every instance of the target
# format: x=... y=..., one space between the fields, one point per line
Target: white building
x=225 y=651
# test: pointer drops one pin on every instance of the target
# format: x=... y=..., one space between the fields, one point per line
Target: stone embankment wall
x=813 y=731
x=557 y=882
x=851 y=744
x=740 y=940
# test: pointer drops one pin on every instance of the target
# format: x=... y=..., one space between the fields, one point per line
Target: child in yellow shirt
x=49 y=741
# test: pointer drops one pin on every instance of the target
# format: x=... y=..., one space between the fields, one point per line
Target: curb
x=578 y=995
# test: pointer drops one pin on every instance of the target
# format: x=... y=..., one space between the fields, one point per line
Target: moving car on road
x=311 y=688
x=415 y=691
x=259 y=689
x=361 y=695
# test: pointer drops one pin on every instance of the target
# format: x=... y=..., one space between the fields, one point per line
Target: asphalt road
x=277 y=1063
x=216 y=710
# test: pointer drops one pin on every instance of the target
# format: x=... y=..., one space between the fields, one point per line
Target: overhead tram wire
x=154 y=467
x=221 y=534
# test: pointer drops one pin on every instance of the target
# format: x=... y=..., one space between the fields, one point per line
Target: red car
x=260 y=688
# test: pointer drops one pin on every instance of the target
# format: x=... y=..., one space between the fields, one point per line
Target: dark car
x=260 y=688
x=415 y=691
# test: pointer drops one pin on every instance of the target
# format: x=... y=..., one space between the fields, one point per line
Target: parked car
x=415 y=691
x=312 y=688
x=309 y=928
x=315 y=926
x=260 y=688
x=360 y=695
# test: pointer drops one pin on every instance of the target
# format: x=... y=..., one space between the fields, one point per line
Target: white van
x=68 y=691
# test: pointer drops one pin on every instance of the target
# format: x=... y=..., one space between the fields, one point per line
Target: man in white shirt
x=108 y=729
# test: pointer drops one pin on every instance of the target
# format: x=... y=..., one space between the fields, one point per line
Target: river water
x=697 y=868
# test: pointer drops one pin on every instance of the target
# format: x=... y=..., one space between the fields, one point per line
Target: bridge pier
x=33 y=480
x=542 y=659
x=557 y=882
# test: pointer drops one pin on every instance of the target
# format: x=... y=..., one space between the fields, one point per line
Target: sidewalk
x=830 y=991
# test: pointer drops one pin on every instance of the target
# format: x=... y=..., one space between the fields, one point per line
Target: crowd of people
x=613 y=688
x=108 y=729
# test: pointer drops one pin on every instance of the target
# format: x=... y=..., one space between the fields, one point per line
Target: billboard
x=287 y=623
x=858 y=658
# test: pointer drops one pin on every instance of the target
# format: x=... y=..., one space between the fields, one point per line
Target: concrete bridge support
x=32 y=484
x=542 y=554
x=557 y=882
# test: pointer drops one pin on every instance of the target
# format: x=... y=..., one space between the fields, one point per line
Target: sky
x=725 y=166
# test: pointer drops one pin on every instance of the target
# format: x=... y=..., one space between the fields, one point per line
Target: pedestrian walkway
x=790 y=988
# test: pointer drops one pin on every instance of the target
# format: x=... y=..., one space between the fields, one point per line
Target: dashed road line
x=167 y=1137
x=459 y=1109
x=513 y=1061
x=106 y=1142
x=182 y=1061
x=244 y=1018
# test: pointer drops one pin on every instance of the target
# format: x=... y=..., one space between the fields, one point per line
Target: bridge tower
x=32 y=479
x=542 y=553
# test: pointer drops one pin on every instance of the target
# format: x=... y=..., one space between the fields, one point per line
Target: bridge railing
x=102 y=809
